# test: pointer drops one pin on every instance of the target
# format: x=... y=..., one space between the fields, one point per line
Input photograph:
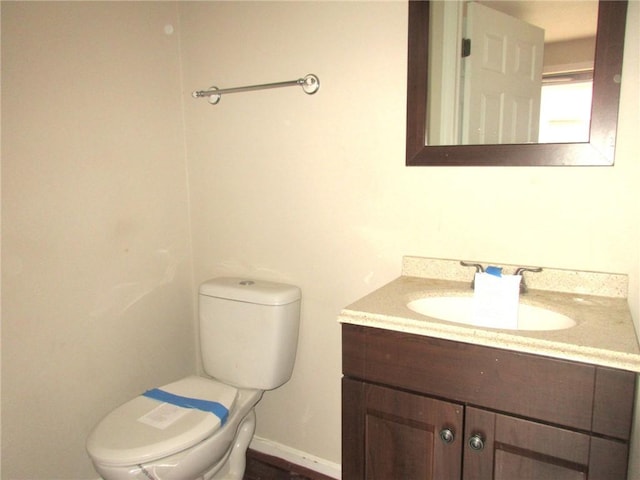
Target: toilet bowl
x=149 y=439
x=199 y=428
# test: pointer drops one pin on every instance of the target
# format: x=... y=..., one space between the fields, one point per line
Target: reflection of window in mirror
x=567 y=83
x=565 y=107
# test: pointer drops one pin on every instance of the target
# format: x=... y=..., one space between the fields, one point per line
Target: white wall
x=306 y=189
x=628 y=146
x=300 y=188
x=313 y=189
x=97 y=293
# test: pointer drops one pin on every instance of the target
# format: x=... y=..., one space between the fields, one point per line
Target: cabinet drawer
x=561 y=392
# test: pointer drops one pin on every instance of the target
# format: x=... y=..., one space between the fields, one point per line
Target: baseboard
x=297 y=457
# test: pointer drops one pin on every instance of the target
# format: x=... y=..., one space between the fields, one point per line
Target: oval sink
x=460 y=310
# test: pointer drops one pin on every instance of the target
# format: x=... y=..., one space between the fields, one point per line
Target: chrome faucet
x=520 y=271
x=479 y=269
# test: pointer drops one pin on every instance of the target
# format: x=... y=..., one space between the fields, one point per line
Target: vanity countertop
x=604 y=334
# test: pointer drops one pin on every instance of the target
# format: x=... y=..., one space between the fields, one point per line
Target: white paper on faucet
x=495 y=300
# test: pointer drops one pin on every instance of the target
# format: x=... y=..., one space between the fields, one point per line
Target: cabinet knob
x=476 y=442
x=447 y=435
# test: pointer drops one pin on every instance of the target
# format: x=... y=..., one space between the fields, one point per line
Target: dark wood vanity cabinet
x=416 y=407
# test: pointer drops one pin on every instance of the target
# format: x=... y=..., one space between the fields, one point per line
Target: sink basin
x=460 y=310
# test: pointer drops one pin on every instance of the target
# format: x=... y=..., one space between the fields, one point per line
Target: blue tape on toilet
x=216 y=408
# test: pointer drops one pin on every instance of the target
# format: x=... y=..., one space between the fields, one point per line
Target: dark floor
x=265 y=467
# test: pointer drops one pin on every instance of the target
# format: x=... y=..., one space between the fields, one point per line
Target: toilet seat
x=145 y=429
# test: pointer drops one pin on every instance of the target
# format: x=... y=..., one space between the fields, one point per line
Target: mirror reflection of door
x=502 y=78
x=502 y=112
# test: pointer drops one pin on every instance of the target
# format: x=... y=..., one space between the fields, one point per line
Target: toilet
x=199 y=428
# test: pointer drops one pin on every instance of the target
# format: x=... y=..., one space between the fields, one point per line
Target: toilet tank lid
x=249 y=290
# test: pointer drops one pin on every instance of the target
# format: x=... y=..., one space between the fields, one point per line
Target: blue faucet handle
x=496 y=271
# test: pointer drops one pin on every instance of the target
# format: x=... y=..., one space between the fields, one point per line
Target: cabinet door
x=391 y=434
x=500 y=447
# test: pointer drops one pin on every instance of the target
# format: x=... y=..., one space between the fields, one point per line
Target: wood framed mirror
x=598 y=150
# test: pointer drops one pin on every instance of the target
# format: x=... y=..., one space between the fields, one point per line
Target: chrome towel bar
x=309 y=83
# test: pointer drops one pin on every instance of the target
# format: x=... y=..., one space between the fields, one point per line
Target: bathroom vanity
x=425 y=398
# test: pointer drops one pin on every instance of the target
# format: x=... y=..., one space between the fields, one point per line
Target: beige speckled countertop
x=604 y=334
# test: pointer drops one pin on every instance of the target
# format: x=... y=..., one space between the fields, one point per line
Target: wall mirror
x=438 y=67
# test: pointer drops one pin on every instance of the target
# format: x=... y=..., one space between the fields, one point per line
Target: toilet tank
x=249 y=331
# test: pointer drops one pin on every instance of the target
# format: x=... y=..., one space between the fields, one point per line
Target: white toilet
x=199 y=428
